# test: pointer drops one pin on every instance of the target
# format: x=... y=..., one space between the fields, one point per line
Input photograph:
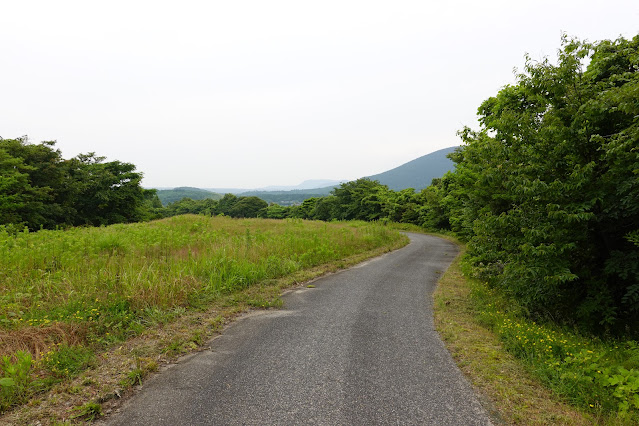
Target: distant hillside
x=419 y=173
x=416 y=174
x=288 y=198
x=168 y=196
x=307 y=184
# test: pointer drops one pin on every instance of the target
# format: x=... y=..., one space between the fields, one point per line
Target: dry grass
x=36 y=340
x=513 y=395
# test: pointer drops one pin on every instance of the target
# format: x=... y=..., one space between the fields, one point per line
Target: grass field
x=67 y=295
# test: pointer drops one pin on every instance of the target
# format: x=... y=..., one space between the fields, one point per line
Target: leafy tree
x=20 y=203
x=105 y=192
x=248 y=207
x=41 y=189
x=34 y=179
x=401 y=206
x=275 y=211
x=326 y=208
x=225 y=204
x=548 y=189
x=433 y=209
x=362 y=199
x=306 y=209
x=205 y=207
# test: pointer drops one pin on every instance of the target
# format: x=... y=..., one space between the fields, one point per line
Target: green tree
x=362 y=199
x=275 y=211
x=104 y=193
x=225 y=204
x=548 y=191
x=34 y=181
x=248 y=207
x=306 y=209
x=326 y=208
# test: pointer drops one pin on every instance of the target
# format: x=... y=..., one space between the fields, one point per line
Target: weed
x=264 y=302
x=515 y=394
x=15 y=379
x=601 y=377
x=89 y=411
x=217 y=322
x=66 y=361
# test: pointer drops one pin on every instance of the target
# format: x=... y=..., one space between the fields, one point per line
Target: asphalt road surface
x=359 y=349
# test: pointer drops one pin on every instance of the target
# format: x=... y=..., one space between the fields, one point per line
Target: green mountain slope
x=416 y=174
x=419 y=173
x=168 y=196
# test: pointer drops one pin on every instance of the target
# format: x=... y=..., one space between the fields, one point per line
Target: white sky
x=254 y=93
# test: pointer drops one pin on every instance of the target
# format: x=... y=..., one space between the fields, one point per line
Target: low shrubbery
x=600 y=376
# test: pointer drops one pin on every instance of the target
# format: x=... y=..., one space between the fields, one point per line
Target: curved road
x=358 y=349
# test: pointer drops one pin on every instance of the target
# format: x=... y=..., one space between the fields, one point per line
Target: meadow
x=66 y=295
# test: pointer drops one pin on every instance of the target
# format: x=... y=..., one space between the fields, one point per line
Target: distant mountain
x=168 y=196
x=307 y=184
x=419 y=173
x=416 y=174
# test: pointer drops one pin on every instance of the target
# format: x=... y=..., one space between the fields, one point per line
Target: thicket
x=41 y=190
x=547 y=191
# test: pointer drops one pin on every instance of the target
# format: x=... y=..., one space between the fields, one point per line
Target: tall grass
x=94 y=286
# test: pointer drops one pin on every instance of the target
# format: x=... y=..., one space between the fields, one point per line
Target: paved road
x=358 y=349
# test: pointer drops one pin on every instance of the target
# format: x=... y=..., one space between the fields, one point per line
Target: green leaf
x=7 y=382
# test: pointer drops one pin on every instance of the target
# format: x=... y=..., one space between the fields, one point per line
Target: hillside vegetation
x=168 y=196
x=418 y=173
x=546 y=194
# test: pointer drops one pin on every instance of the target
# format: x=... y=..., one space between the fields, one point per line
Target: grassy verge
x=86 y=314
x=532 y=373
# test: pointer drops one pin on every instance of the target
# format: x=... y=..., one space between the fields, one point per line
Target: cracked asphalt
x=358 y=349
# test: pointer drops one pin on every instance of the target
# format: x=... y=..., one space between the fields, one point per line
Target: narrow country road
x=359 y=349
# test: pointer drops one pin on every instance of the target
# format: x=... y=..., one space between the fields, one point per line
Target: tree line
x=41 y=190
x=546 y=192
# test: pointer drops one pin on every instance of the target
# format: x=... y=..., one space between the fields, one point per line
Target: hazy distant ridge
x=418 y=173
x=168 y=196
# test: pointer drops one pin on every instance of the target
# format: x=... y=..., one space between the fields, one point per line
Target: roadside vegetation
x=533 y=373
x=68 y=295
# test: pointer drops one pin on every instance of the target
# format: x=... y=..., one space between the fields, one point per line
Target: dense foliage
x=547 y=191
x=39 y=189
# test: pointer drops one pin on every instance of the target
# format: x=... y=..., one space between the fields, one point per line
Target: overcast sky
x=255 y=93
